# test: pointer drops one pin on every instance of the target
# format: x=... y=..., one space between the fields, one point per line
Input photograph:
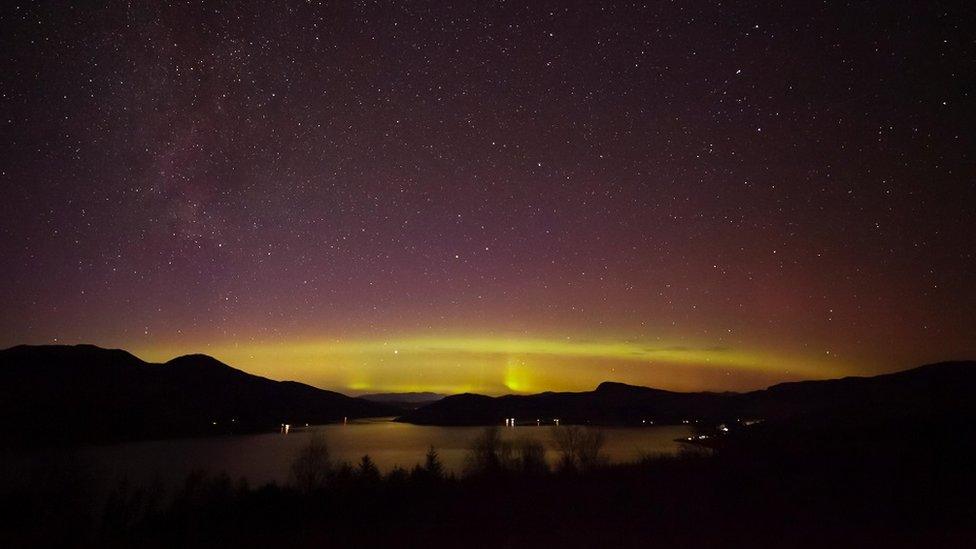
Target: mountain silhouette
x=935 y=389
x=404 y=401
x=403 y=397
x=83 y=393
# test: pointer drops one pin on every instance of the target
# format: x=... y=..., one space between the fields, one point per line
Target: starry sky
x=493 y=196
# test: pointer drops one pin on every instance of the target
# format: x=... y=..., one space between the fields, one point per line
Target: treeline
x=490 y=455
x=55 y=508
x=767 y=489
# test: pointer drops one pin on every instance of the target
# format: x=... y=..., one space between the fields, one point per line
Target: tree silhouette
x=432 y=464
x=530 y=457
x=368 y=472
x=312 y=466
x=489 y=454
x=579 y=448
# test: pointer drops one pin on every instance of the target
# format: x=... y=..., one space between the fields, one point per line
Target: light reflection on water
x=263 y=458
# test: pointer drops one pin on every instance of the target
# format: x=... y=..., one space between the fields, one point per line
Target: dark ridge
x=83 y=393
x=617 y=386
x=403 y=402
x=197 y=359
x=87 y=352
x=410 y=397
x=930 y=389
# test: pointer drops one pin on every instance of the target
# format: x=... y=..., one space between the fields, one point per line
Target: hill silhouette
x=83 y=393
x=403 y=397
x=404 y=401
x=934 y=389
x=853 y=462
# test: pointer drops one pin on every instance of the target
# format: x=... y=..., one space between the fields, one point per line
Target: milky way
x=493 y=196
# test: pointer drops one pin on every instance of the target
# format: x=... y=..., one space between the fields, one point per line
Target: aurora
x=501 y=364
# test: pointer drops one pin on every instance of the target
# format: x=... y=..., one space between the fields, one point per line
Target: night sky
x=491 y=196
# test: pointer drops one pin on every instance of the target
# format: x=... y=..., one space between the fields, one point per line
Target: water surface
x=263 y=458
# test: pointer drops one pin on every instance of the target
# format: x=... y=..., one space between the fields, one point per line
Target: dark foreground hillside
x=84 y=394
x=777 y=485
